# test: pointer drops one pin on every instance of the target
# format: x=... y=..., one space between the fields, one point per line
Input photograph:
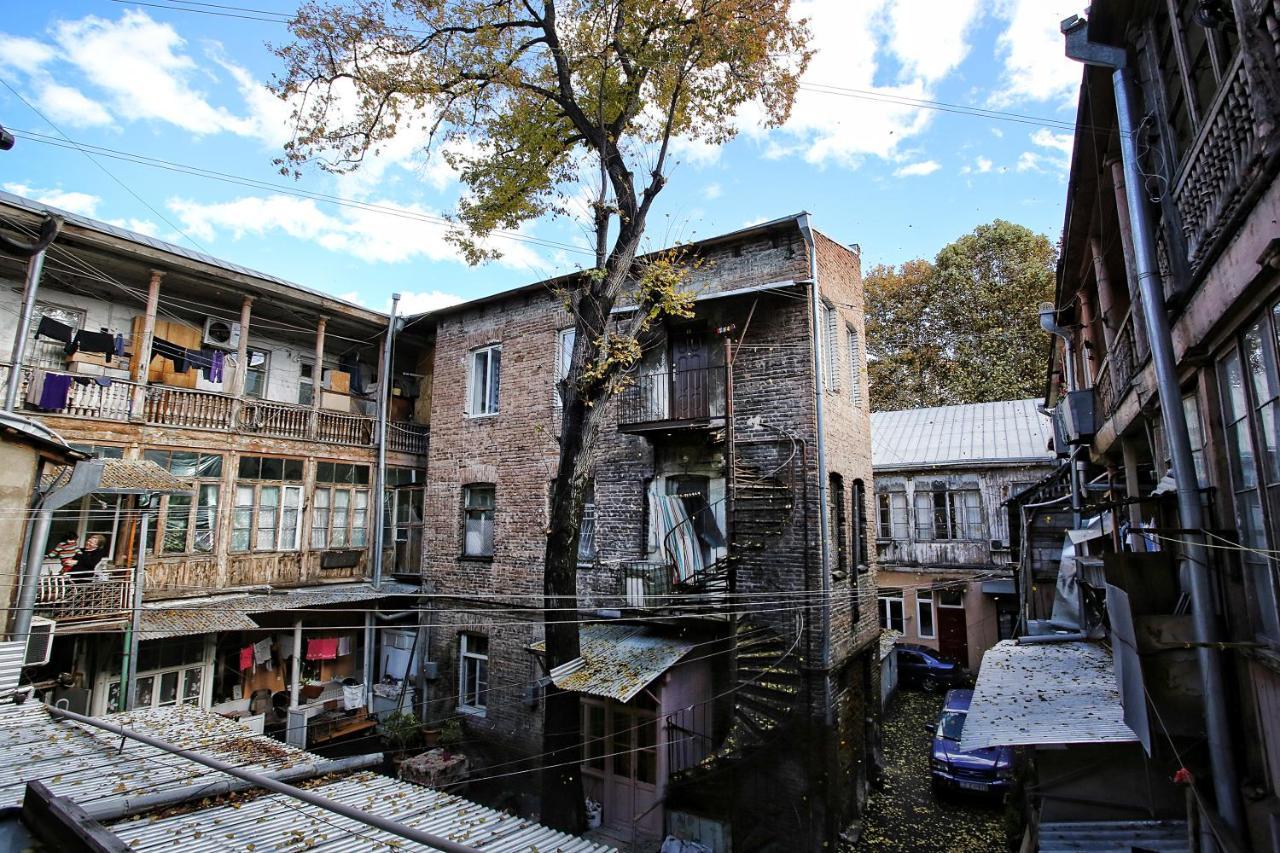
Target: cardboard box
x=339 y=381
x=335 y=402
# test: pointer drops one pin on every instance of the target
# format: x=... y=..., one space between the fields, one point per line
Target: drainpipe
x=135 y=617
x=35 y=266
x=1217 y=721
x=1050 y=325
x=85 y=478
x=384 y=404
x=819 y=384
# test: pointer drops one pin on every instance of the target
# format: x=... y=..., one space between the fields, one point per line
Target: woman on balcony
x=81 y=567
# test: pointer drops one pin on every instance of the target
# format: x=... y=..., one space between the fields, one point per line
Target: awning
x=617 y=661
x=1045 y=693
x=211 y=614
x=999 y=587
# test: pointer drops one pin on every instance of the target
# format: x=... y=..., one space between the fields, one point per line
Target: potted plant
x=450 y=734
x=401 y=732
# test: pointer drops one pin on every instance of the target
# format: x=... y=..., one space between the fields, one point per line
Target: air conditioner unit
x=39 y=641
x=221 y=334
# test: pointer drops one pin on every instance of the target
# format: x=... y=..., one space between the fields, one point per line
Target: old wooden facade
x=1209 y=98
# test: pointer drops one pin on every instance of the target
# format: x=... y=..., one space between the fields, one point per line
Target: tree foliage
x=525 y=99
x=964 y=328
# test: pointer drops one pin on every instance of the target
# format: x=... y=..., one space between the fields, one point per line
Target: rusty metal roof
x=618 y=661
x=1043 y=694
x=1004 y=432
x=206 y=615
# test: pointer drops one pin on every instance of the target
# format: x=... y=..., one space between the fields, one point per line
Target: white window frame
x=899 y=515
x=886 y=610
x=305 y=381
x=482 y=401
x=467 y=659
x=565 y=340
x=283 y=539
x=956 y=525
x=587 y=529
x=264 y=369
x=491 y=510
x=924 y=602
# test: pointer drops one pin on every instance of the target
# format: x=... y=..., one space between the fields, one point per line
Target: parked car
x=920 y=666
x=981 y=771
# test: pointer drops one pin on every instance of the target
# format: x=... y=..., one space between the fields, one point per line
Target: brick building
x=730 y=652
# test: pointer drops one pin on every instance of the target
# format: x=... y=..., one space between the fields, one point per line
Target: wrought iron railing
x=673 y=395
x=1118 y=370
x=646 y=584
x=690 y=736
x=406 y=437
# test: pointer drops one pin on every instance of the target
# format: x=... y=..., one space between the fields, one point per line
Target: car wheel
x=929 y=684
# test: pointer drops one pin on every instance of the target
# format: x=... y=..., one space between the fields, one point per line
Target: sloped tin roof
x=1044 y=694
x=1004 y=432
x=618 y=661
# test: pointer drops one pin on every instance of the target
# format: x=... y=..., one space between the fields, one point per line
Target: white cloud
x=420 y=302
x=855 y=40
x=141 y=65
x=23 y=54
x=370 y=235
x=72 y=202
x=142 y=226
x=1029 y=161
x=1055 y=157
x=712 y=192
x=924 y=167
x=66 y=105
x=1035 y=64
x=981 y=165
x=1061 y=142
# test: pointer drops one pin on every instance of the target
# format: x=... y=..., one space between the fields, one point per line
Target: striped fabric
x=676 y=537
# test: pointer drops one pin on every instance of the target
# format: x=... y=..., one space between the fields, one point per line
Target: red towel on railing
x=324 y=648
x=246 y=658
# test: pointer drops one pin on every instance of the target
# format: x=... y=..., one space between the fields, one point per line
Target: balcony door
x=690 y=392
x=620 y=766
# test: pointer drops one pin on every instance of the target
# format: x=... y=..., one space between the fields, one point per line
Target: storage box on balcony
x=334 y=402
x=337 y=380
x=95 y=364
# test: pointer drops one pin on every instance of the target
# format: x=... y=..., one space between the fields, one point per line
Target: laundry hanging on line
x=246 y=658
x=49 y=391
x=160 y=348
x=322 y=648
x=101 y=343
x=54 y=331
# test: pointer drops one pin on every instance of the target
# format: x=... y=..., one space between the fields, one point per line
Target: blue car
x=982 y=771
x=920 y=666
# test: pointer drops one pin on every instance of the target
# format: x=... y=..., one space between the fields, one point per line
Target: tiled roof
x=139 y=475
x=618 y=661
x=207 y=615
x=979 y=433
x=1045 y=693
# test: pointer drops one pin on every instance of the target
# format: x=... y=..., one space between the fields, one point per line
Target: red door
x=689 y=392
x=953 y=635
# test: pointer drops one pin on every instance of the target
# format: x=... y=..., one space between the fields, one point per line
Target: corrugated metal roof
x=89 y=764
x=618 y=661
x=1045 y=693
x=107 y=228
x=206 y=615
x=12 y=654
x=274 y=821
x=1108 y=836
x=991 y=433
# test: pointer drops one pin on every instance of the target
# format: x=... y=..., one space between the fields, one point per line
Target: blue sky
x=186 y=87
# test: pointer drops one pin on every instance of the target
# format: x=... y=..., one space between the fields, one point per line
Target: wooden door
x=621 y=763
x=690 y=398
x=953 y=635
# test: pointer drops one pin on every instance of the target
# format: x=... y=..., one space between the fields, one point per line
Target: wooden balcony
x=105 y=599
x=1224 y=166
x=185 y=408
x=1118 y=370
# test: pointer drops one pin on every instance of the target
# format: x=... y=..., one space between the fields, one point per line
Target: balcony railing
x=185 y=408
x=646 y=584
x=1118 y=369
x=165 y=405
x=673 y=398
x=1222 y=165
x=107 y=597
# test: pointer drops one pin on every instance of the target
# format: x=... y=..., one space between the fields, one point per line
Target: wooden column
x=1130 y=262
x=1106 y=297
x=242 y=347
x=317 y=374
x=1132 y=490
x=1090 y=358
x=142 y=347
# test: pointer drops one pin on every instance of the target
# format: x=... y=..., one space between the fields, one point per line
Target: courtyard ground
x=903 y=816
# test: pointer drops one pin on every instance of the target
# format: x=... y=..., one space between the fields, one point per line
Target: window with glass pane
x=855 y=367
x=268 y=518
x=177 y=522
x=341 y=509
x=858 y=538
x=206 y=518
x=564 y=356
x=478 y=508
x=587 y=531
x=924 y=516
x=306 y=383
x=191 y=681
x=255 y=377
x=621 y=735
x=646 y=748
x=891 y=610
x=924 y=614
x=320 y=518
x=359 y=518
x=290 y=518
x=242 y=522
x=831 y=345
x=473 y=672
x=486 y=372
x=965 y=509
x=142 y=695
x=593 y=728
x=894 y=523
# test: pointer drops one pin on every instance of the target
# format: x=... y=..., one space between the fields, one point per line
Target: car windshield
x=951 y=724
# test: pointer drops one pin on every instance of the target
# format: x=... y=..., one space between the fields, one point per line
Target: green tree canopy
x=963 y=329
